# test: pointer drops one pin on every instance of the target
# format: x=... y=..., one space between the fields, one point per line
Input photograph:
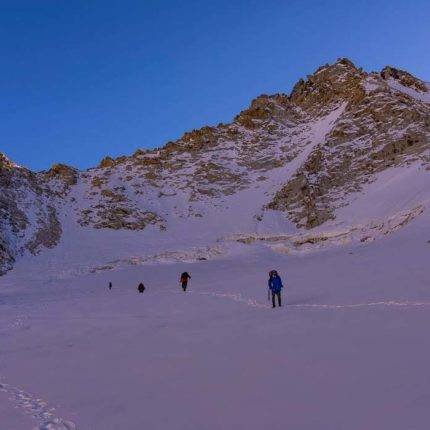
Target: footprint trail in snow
x=44 y=414
x=37 y=408
x=237 y=297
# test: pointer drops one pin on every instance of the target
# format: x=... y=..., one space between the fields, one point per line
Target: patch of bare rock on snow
x=171 y=256
x=308 y=242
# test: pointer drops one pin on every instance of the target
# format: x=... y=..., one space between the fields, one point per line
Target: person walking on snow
x=275 y=286
x=184 y=280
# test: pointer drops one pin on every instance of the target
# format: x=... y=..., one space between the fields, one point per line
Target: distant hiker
x=184 y=280
x=110 y=285
x=275 y=286
x=141 y=288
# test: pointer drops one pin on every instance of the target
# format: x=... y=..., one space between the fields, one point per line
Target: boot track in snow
x=37 y=408
x=237 y=297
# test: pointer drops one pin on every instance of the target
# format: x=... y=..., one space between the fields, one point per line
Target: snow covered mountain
x=344 y=157
x=328 y=185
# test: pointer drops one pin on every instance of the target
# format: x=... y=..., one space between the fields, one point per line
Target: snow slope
x=423 y=96
x=348 y=351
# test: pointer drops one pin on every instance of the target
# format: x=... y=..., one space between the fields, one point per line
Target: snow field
x=348 y=351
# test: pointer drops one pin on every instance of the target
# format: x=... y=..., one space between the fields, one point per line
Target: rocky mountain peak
x=5 y=163
x=404 y=78
x=107 y=162
x=263 y=108
x=329 y=85
x=67 y=174
x=345 y=62
x=297 y=158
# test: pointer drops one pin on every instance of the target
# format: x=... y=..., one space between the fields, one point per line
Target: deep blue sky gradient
x=83 y=79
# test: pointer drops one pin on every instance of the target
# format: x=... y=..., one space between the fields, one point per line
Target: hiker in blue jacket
x=275 y=286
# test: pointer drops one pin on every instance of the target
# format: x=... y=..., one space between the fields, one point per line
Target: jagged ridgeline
x=301 y=156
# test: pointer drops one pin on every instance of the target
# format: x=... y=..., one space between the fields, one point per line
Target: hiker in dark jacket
x=184 y=280
x=275 y=286
x=141 y=288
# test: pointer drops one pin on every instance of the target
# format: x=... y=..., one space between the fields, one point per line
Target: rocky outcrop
x=119 y=217
x=62 y=172
x=6 y=259
x=106 y=163
x=404 y=78
x=5 y=163
x=47 y=234
x=378 y=130
x=28 y=219
x=329 y=85
x=277 y=108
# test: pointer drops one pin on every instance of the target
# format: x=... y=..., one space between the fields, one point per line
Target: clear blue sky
x=83 y=79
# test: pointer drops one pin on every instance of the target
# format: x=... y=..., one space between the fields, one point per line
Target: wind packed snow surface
x=348 y=350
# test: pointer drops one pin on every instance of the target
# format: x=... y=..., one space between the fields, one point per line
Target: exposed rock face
x=116 y=212
x=5 y=163
x=27 y=217
x=404 y=78
x=330 y=85
x=304 y=154
x=48 y=232
x=6 y=259
x=379 y=129
x=265 y=108
x=67 y=174
x=107 y=162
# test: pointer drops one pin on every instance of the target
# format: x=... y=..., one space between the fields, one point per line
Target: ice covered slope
x=345 y=150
